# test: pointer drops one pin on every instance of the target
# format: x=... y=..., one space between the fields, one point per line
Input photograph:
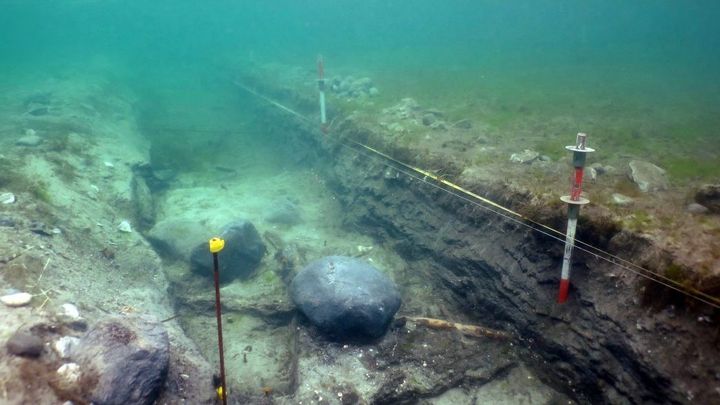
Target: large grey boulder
x=709 y=196
x=244 y=249
x=125 y=358
x=345 y=297
x=647 y=176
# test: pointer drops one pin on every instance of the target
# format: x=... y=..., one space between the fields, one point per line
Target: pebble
x=7 y=198
x=16 y=300
x=70 y=311
x=25 y=344
x=124 y=226
x=619 y=199
x=69 y=374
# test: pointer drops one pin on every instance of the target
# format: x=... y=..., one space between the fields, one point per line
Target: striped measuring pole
x=321 y=91
x=574 y=201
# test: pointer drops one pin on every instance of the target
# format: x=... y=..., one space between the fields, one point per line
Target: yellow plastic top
x=216 y=245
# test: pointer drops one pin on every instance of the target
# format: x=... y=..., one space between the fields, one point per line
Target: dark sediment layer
x=619 y=339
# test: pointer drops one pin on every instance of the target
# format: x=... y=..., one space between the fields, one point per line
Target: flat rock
x=647 y=176
x=284 y=212
x=29 y=140
x=695 y=208
x=244 y=249
x=526 y=156
x=463 y=124
x=176 y=238
x=345 y=297
x=709 y=196
x=16 y=299
x=23 y=343
x=620 y=199
x=130 y=358
x=7 y=198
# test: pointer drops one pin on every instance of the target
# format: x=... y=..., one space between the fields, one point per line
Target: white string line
x=599 y=253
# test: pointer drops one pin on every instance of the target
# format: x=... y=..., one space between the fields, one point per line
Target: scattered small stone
x=7 y=221
x=124 y=226
x=599 y=168
x=709 y=196
x=56 y=231
x=16 y=299
x=109 y=164
x=428 y=119
x=65 y=345
x=593 y=173
x=69 y=374
x=349 y=87
x=527 y=156
x=23 y=343
x=463 y=124
x=70 y=311
x=7 y=198
x=40 y=228
x=647 y=176
x=29 y=140
x=695 y=208
x=439 y=125
x=620 y=199
x=40 y=111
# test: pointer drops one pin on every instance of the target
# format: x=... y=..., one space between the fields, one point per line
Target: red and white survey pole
x=574 y=201
x=321 y=90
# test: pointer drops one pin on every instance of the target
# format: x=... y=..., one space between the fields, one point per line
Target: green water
x=641 y=77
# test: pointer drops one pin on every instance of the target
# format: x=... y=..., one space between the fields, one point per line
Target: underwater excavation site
x=279 y=202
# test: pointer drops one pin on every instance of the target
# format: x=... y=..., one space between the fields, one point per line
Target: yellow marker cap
x=216 y=245
x=219 y=389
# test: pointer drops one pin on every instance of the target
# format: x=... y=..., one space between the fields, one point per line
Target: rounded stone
x=244 y=249
x=345 y=297
x=24 y=344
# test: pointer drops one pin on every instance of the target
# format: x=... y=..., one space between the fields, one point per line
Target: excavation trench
x=454 y=260
x=617 y=340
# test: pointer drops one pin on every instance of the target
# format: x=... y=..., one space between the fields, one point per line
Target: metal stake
x=574 y=201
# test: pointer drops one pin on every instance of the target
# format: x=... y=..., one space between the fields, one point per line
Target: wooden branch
x=465 y=329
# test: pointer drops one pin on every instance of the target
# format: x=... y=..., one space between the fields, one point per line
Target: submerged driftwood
x=465 y=329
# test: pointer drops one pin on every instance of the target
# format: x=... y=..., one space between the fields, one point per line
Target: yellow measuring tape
x=456 y=187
